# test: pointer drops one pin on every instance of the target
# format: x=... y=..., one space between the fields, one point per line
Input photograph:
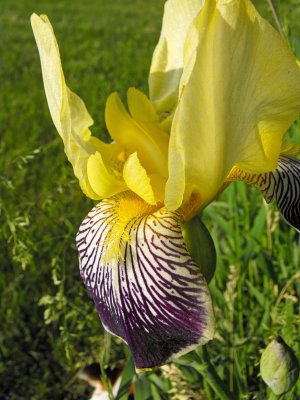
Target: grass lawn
x=49 y=327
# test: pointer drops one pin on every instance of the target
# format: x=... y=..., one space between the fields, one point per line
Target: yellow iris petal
x=143 y=112
x=68 y=111
x=137 y=180
x=113 y=154
x=102 y=180
x=126 y=131
x=140 y=107
x=290 y=149
x=237 y=98
x=167 y=61
x=158 y=184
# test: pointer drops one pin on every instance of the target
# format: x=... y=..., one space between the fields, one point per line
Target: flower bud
x=200 y=245
x=279 y=366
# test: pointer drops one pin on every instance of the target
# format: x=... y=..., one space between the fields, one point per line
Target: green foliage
x=49 y=327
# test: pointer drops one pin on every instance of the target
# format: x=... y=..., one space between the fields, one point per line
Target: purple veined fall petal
x=281 y=185
x=147 y=289
x=284 y=186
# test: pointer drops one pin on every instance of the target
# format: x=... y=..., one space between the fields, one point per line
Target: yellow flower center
x=128 y=209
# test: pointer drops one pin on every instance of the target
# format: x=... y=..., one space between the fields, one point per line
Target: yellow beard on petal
x=128 y=208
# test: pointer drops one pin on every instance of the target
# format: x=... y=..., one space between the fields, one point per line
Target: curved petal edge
x=147 y=289
x=282 y=184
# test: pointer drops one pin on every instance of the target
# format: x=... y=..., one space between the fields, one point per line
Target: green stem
x=104 y=358
x=277 y=20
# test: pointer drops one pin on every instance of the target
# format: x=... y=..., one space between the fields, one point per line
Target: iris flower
x=224 y=88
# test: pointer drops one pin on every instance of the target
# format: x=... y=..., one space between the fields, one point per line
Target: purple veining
x=154 y=297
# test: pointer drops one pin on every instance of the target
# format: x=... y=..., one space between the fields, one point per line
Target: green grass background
x=49 y=328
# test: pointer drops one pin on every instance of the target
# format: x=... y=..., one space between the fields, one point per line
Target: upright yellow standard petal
x=68 y=111
x=140 y=107
x=144 y=113
x=167 y=61
x=237 y=99
x=134 y=137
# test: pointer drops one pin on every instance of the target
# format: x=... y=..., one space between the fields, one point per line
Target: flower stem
x=276 y=18
x=104 y=358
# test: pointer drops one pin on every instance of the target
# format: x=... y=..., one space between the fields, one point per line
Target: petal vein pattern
x=282 y=184
x=153 y=295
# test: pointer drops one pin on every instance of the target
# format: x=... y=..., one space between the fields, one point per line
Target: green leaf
x=142 y=388
x=255 y=233
x=155 y=392
x=128 y=374
x=260 y=297
x=162 y=383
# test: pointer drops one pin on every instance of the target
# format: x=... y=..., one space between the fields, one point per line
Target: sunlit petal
x=126 y=131
x=167 y=61
x=102 y=179
x=281 y=185
x=290 y=149
x=140 y=107
x=113 y=154
x=146 y=287
x=241 y=95
x=68 y=111
x=144 y=113
x=137 y=180
x=158 y=184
